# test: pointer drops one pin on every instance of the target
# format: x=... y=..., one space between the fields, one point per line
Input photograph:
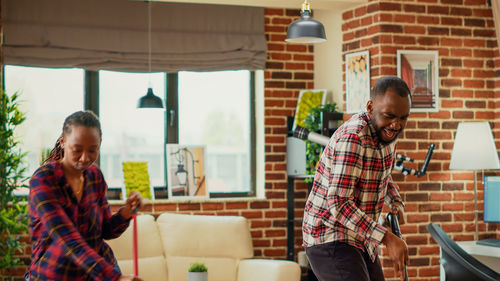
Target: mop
x=134 y=248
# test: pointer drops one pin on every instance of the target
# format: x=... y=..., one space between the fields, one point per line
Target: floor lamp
x=474 y=149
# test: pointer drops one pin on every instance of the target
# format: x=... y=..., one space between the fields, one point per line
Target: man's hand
x=397 y=208
x=397 y=251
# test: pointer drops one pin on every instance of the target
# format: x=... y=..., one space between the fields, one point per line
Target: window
x=130 y=134
x=216 y=110
x=47 y=96
x=212 y=109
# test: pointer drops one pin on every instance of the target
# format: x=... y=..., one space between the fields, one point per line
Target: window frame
x=171 y=123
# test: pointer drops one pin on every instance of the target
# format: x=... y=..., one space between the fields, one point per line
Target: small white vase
x=197 y=276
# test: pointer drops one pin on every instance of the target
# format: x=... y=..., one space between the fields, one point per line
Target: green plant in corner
x=13 y=210
x=197 y=267
x=313 y=124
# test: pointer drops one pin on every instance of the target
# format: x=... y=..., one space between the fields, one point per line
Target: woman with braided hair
x=69 y=215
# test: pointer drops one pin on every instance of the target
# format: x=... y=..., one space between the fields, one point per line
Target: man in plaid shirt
x=340 y=230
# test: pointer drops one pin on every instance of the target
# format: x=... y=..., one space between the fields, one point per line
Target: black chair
x=458 y=264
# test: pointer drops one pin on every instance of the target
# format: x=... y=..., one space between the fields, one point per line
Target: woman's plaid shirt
x=351 y=183
x=66 y=235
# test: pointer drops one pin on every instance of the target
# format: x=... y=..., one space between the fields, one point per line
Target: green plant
x=313 y=124
x=13 y=210
x=197 y=267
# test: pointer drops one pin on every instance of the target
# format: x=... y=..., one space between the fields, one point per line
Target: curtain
x=113 y=35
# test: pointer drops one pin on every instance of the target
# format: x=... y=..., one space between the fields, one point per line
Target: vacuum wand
x=304 y=134
x=393 y=222
x=398 y=166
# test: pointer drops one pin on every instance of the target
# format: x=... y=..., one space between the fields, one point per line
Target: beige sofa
x=168 y=245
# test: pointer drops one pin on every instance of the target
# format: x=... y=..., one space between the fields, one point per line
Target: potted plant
x=13 y=210
x=197 y=271
x=313 y=123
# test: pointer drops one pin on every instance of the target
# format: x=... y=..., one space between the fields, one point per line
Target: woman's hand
x=129 y=278
x=133 y=202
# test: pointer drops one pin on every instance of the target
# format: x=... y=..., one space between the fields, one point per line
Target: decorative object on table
x=474 y=149
x=314 y=123
x=186 y=171
x=357 y=81
x=419 y=69
x=307 y=99
x=136 y=177
x=197 y=271
x=149 y=100
x=306 y=30
x=13 y=210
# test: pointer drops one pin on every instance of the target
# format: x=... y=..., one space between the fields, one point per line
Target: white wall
x=328 y=56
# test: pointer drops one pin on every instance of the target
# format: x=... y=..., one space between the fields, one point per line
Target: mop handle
x=136 y=263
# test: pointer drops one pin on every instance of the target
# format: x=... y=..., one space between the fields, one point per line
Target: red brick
x=236 y=205
x=460 y=73
x=442 y=10
x=189 y=207
x=414 y=8
x=451 y=21
x=427 y=20
x=347 y=15
x=414 y=29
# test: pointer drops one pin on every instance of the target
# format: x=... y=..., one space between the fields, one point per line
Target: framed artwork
x=186 y=171
x=307 y=99
x=136 y=177
x=419 y=69
x=357 y=81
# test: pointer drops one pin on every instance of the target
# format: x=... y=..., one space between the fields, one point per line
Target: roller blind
x=112 y=35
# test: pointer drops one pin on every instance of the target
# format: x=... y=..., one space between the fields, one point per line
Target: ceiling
x=291 y=4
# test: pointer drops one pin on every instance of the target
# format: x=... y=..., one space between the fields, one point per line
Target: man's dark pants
x=336 y=261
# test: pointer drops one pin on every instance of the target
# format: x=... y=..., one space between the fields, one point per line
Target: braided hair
x=79 y=118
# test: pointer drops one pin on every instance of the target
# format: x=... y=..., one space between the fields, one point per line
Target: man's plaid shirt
x=351 y=183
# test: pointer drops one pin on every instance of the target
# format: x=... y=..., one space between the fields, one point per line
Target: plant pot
x=198 y=276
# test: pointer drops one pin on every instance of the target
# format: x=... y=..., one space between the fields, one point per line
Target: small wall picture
x=186 y=171
x=419 y=69
x=357 y=81
x=136 y=177
x=307 y=99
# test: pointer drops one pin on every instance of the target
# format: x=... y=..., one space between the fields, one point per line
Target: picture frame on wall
x=310 y=98
x=186 y=171
x=357 y=81
x=419 y=69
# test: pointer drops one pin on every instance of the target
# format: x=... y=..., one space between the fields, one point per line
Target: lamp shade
x=474 y=148
x=305 y=30
x=150 y=100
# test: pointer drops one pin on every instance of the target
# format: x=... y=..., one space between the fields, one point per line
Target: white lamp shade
x=474 y=148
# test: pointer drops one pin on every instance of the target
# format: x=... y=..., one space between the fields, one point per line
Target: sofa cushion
x=150 y=269
x=220 y=269
x=148 y=240
x=205 y=236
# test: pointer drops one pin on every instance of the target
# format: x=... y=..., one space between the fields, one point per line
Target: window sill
x=192 y=200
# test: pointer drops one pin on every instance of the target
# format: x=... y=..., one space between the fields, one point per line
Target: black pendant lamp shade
x=150 y=100
x=305 y=30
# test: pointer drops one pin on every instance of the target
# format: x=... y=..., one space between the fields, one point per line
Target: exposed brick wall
x=289 y=68
x=463 y=33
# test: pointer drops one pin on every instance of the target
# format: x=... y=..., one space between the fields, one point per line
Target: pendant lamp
x=150 y=100
x=305 y=30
